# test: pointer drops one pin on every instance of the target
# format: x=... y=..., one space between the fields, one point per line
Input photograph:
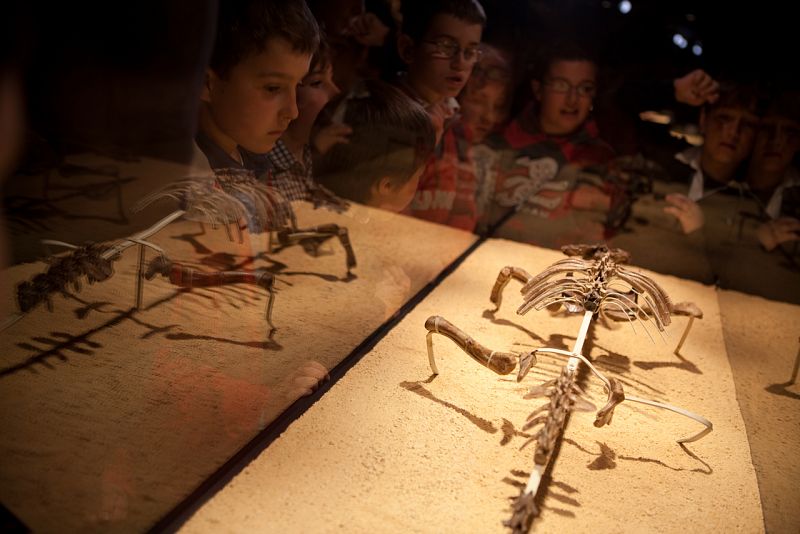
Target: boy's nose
x=572 y=95
x=732 y=131
x=290 y=110
x=458 y=62
x=334 y=91
x=776 y=136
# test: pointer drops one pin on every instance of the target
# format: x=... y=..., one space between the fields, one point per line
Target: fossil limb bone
x=501 y=363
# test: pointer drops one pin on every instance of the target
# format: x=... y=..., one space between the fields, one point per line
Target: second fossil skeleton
x=591 y=281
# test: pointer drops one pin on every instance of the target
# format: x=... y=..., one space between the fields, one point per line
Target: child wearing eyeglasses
x=547 y=146
x=485 y=103
x=439 y=44
x=558 y=123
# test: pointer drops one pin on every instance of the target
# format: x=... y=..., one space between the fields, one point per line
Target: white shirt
x=790 y=178
x=691 y=157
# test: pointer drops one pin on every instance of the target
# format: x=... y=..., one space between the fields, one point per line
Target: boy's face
x=484 y=108
x=317 y=90
x=776 y=143
x=433 y=74
x=338 y=15
x=255 y=103
x=565 y=96
x=729 y=134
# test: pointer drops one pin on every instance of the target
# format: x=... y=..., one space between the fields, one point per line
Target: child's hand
x=696 y=88
x=331 y=135
x=773 y=233
x=589 y=197
x=687 y=211
x=439 y=113
x=307 y=379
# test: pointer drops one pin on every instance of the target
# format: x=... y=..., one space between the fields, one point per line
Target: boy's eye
x=749 y=125
x=472 y=52
x=444 y=48
x=272 y=88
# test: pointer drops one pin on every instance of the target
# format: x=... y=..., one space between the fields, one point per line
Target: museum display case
x=166 y=364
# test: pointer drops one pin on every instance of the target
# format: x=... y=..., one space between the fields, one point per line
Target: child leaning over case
x=391 y=138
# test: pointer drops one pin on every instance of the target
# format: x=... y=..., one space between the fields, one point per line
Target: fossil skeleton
x=234 y=195
x=237 y=195
x=591 y=281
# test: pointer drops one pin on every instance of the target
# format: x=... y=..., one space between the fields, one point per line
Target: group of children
x=437 y=139
x=748 y=150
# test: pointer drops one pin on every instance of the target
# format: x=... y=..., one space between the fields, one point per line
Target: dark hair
x=738 y=95
x=392 y=137
x=783 y=103
x=245 y=26
x=558 y=51
x=322 y=57
x=418 y=14
x=495 y=65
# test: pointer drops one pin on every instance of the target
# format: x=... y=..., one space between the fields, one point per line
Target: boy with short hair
x=440 y=43
x=391 y=139
x=292 y=156
x=771 y=177
x=261 y=53
x=729 y=126
x=485 y=104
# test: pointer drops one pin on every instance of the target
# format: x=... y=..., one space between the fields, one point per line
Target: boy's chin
x=568 y=126
x=260 y=147
x=450 y=91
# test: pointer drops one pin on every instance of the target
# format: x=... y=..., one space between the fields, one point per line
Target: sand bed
x=111 y=416
x=391 y=448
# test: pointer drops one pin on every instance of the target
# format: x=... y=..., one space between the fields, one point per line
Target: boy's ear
x=536 y=87
x=381 y=188
x=385 y=186
x=209 y=82
x=405 y=48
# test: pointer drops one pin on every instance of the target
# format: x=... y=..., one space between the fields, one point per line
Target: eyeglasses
x=560 y=85
x=445 y=48
x=494 y=74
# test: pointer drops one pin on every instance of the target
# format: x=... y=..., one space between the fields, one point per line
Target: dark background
x=125 y=76
x=747 y=41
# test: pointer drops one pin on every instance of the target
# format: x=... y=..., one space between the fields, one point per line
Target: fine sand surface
x=111 y=416
x=763 y=344
x=656 y=242
x=391 y=448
